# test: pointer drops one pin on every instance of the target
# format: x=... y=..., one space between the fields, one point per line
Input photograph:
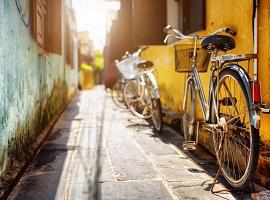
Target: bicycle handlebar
x=179 y=35
x=226 y=30
x=136 y=53
x=144 y=48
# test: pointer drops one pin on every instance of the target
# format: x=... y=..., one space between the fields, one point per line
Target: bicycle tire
x=134 y=101
x=189 y=112
x=238 y=152
x=156 y=111
x=117 y=95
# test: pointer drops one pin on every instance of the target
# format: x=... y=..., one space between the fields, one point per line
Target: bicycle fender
x=154 y=83
x=246 y=80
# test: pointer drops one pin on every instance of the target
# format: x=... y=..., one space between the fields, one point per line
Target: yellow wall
x=264 y=63
x=229 y=13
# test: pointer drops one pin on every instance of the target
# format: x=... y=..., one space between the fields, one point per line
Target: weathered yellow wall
x=219 y=14
x=229 y=13
x=264 y=62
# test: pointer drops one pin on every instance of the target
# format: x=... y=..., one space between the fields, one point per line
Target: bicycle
x=231 y=112
x=142 y=93
x=126 y=72
x=117 y=93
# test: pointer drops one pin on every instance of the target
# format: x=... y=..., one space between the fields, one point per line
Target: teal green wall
x=33 y=88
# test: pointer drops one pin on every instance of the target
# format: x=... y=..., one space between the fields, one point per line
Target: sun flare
x=91 y=15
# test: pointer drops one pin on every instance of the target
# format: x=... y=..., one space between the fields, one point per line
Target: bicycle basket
x=183 y=58
x=126 y=67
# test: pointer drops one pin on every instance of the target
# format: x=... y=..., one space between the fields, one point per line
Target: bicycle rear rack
x=265 y=109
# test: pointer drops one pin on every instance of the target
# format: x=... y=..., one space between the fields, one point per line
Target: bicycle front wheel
x=156 y=111
x=117 y=94
x=188 y=119
x=237 y=142
x=137 y=101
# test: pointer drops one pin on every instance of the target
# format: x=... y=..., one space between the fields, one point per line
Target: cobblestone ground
x=98 y=151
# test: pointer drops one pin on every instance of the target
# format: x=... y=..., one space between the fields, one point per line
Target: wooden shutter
x=56 y=26
x=68 y=46
x=38 y=14
x=193 y=16
x=47 y=31
x=46 y=22
x=149 y=19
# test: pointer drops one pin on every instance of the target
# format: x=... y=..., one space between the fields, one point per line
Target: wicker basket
x=183 y=58
x=127 y=67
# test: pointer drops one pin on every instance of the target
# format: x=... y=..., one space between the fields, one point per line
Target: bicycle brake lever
x=167 y=28
x=166 y=39
x=230 y=31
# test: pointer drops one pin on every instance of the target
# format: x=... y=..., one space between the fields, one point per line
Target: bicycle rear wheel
x=137 y=101
x=189 y=115
x=117 y=94
x=237 y=143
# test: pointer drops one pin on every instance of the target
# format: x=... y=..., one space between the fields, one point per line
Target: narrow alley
x=98 y=151
x=134 y=99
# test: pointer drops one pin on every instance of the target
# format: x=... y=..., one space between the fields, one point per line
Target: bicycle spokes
x=233 y=143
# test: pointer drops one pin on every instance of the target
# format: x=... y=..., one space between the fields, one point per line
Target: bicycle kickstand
x=215 y=182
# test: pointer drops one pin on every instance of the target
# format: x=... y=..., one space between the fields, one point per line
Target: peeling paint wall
x=33 y=87
x=238 y=15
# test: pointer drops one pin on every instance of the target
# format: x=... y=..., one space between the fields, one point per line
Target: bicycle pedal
x=189 y=145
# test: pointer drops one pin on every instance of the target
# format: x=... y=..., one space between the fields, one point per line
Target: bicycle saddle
x=145 y=64
x=219 y=42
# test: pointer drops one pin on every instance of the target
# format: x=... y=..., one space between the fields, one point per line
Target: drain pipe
x=255 y=40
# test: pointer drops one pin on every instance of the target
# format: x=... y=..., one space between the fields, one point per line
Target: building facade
x=35 y=80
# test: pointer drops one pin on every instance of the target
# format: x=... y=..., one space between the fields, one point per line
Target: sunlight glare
x=91 y=16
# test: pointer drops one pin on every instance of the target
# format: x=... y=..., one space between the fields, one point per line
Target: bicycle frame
x=142 y=79
x=205 y=104
x=195 y=75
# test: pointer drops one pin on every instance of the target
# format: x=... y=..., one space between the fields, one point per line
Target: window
x=46 y=25
x=191 y=15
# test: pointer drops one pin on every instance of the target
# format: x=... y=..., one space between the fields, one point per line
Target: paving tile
x=133 y=165
x=134 y=190
x=151 y=144
x=198 y=189
x=91 y=166
x=178 y=168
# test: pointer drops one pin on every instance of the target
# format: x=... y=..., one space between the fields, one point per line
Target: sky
x=91 y=16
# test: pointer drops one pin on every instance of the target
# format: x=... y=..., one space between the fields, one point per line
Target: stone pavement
x=98 y=151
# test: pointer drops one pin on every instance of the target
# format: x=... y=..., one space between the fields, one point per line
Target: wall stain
x=263 y=169
x=26 y=132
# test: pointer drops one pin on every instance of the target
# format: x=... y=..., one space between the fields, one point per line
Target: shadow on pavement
x=66 y=152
